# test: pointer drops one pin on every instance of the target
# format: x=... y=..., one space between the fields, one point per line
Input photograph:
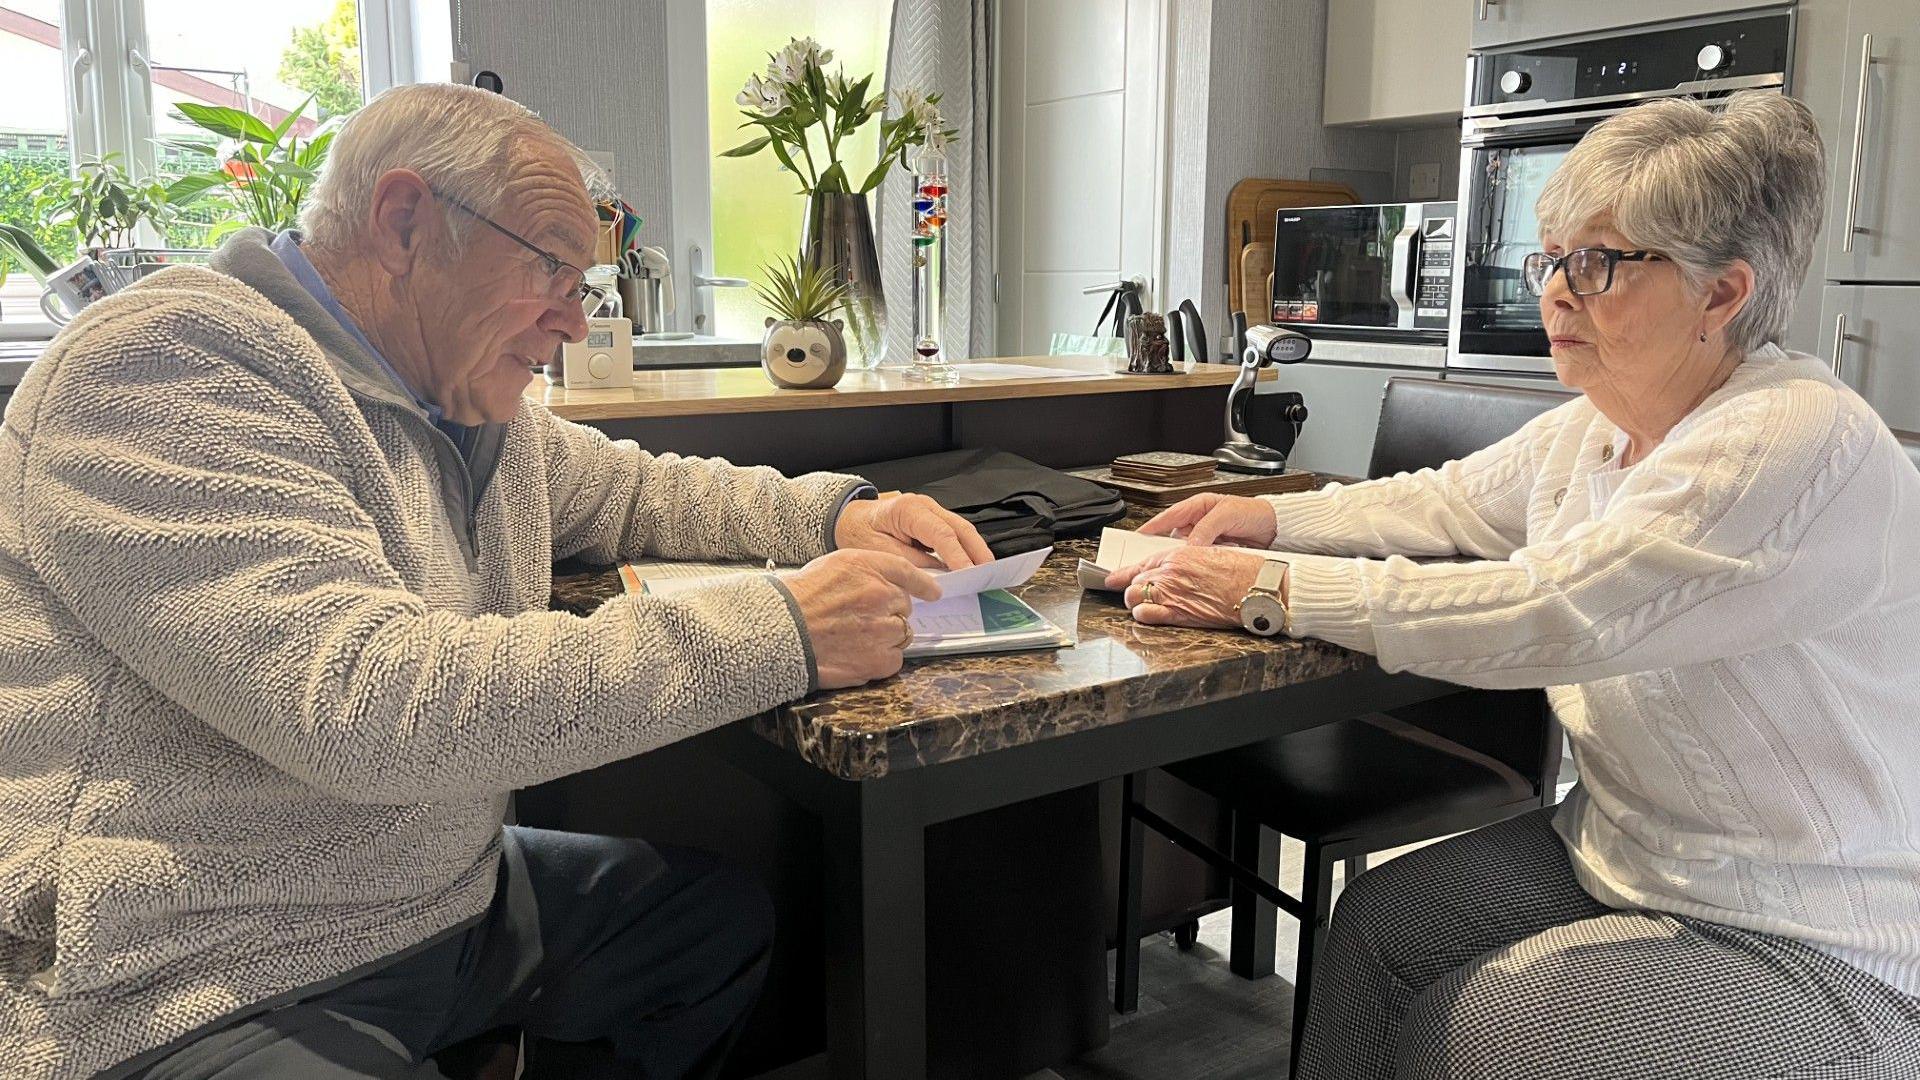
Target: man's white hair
x=1704 y=189
x=465 y=141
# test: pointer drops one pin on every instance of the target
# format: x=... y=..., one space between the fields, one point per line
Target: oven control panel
x=1651 y=60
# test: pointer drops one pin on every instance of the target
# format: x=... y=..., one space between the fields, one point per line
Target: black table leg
x=876 y=942
x=1255 y=922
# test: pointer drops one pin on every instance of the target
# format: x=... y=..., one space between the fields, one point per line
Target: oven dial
x=1515 y=82
x=1713 y=57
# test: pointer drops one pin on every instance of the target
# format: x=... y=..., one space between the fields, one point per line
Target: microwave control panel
x=1433 y=274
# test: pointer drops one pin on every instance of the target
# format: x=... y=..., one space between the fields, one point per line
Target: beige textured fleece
x=259 y=708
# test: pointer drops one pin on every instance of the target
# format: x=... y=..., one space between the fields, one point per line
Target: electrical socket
x=1423 y=181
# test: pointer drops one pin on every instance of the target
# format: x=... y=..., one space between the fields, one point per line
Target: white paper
x=1000 y=372
x=665 y=578
x=1007 y=573
x=948 y=616
x=1121 y=548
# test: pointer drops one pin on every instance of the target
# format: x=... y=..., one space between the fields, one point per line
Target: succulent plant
x=799 y=291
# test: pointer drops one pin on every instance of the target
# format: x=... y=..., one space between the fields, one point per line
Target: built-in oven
x=1527 y=107
x=1364 y=273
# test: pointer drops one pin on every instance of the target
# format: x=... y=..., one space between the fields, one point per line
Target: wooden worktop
x=718 y=391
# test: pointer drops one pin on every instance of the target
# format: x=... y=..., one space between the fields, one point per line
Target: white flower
x=911 y=103
x=789 y=66
x=767 y=97
x=837 y=83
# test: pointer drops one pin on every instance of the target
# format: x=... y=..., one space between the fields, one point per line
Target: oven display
x=1655 y=60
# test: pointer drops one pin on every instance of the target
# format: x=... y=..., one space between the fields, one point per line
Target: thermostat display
x=599 y=339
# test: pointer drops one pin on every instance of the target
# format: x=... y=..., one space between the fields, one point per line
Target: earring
x=1703 y=335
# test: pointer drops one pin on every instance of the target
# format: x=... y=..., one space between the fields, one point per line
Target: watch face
x=1262 y=615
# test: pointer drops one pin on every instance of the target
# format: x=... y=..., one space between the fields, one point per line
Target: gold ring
x=907 y=638
x=1146 y=592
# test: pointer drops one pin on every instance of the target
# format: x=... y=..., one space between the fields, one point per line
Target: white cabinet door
x=1874 y=227
x=1506 y=22
x=1081 y=129
x=1876 y=329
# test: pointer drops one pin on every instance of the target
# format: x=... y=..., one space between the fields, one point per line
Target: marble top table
x=956 y=736
x=943 y=709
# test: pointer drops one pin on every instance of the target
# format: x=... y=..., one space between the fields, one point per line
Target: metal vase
x=839 y=233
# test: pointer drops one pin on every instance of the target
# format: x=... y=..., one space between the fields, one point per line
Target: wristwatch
x=1263 y=610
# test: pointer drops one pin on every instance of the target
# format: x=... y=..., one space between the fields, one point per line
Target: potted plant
x=804 y=115
x=105 y=205
x=264 y=172
x=802 y=348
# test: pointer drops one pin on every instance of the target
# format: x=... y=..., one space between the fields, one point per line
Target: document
x=1002 y=372
x=975 y=613
x=1121 y=548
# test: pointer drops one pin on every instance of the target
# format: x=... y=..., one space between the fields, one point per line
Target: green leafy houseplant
x=796 y=96
x=802 y=349
x=17 y=245
x=105 y=205
x=798 y=291
x=264 y=173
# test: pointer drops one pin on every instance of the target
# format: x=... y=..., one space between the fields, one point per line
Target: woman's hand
x=913 y=527
x=1213 y=518
x=1189 y=586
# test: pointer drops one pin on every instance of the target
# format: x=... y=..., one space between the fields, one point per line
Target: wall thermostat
x=603 y=358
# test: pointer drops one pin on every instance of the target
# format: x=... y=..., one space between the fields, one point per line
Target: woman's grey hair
x=1705 y=188
x=465 y=141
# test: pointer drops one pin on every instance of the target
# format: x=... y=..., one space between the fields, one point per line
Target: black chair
x=1911 y=443
x=1370 y=783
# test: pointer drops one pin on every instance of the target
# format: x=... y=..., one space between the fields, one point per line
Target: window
x=111 y=89
x=756 y=211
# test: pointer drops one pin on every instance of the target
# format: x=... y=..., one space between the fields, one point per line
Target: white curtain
x=944 y=47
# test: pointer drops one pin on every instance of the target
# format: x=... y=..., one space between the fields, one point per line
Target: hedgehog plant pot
x=808 y=355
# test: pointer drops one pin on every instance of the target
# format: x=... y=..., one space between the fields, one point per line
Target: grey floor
x=1199 y=1021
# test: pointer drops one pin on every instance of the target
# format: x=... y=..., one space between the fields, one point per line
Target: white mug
x=73 y=287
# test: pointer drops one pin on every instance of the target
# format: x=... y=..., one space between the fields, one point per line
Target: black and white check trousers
x=1481 y=957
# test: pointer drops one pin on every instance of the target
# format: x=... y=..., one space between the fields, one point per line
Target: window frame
x=107 y=87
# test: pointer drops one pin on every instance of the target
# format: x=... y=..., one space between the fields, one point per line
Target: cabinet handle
x=1839 y=341
x=1851 y=226
x=1486 y=8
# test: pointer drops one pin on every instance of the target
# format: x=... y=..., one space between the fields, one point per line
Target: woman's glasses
x=1589 y=269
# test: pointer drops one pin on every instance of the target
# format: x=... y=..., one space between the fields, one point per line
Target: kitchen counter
x=747 y=390
x=946 y=709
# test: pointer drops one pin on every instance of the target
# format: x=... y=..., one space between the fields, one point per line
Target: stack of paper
x=975 y=613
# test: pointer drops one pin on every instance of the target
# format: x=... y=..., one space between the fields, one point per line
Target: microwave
x=1376 y=272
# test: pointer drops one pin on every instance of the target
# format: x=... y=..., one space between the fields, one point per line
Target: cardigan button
x=1606 y=453
x=1559 y=497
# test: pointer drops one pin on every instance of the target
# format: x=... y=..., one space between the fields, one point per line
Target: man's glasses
x=565 y=281
x=1589 y=269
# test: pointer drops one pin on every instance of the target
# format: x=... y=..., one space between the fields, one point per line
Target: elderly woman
x=1708 y=562
x=275 y=550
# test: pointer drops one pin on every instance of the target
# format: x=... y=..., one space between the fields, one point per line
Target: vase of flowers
x=804 y=115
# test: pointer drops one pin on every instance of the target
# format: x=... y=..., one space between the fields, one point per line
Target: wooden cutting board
x=1251 y=206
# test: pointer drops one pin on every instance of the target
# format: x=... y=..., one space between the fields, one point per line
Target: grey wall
x=1247 y=104
x=1439 y=145
x=597 y=71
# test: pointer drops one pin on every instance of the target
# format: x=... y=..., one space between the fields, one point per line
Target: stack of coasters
x=1163 y=468
x=1156 y=480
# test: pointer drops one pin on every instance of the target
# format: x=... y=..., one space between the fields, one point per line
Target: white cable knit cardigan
x=260 y=707
x=1729 y=630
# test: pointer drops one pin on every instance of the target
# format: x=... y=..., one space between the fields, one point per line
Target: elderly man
x=274 y=552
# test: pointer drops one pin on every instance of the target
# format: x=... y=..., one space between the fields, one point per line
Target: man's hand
x=1189 y=586
x=1213 y=518
x=855 y=606
x=913 y=527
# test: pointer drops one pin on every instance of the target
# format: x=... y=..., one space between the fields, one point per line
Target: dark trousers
x=616 y=958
